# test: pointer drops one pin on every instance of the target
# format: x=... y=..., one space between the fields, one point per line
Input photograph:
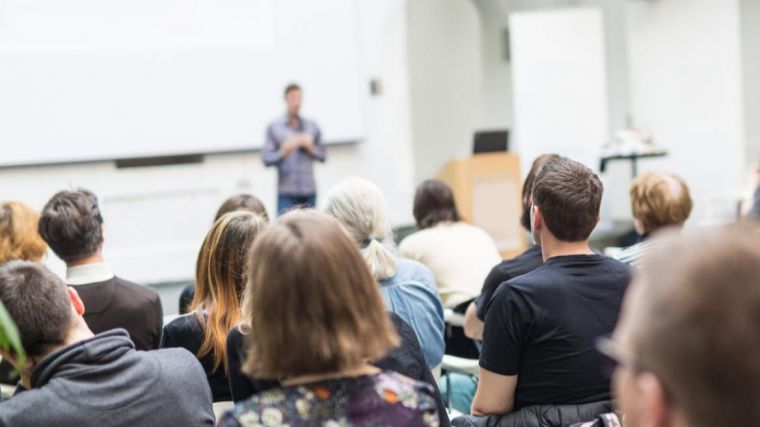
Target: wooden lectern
x=488 y=190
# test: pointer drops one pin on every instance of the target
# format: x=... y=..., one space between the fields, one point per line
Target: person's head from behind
x=566 y=200
x=359 y=206
x=19 y=239
x=311 y=301
x=659 y=200
x=293 y=97
x=242 y=202
x=220 y=278
x=527 y=190
x=72 y=225
x=434 y=204
x=46 y=312
x=687 y=342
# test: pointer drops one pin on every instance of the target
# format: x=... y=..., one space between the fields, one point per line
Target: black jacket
x=118 y=303
x=186 y=332
x=539 y=416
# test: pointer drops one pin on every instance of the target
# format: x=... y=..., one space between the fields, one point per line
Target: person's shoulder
x=255 y=406
x=632 y=254
x=18 y=410
x=616 y=265
x=517 y=266
x=176 y=361
x=409 y=392
x=184 y=324
x=235 y=339
x=408 y=266
x=136 y=292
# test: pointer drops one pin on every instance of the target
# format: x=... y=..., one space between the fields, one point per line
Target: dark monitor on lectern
x=491 y=141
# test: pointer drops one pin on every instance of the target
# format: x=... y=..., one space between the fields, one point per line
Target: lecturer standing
x=293 y=143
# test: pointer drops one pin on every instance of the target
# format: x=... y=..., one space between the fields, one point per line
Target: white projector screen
x=107 y=79
x=559 y=81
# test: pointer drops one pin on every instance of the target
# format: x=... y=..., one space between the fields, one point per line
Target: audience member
x=459 y=254
x=686 y=346
x=242 y=202
x=407 y=287
x=406 y=359
x=19 y=239
x=71 y=223
x=79 y=379
x=317 y=318
x=511 y=268
x=538 y=341
x=220 y=280
x=238 y=202
x=754 y=208
x=658 y=200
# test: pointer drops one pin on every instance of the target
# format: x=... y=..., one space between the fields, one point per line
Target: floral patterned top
x=384 y=399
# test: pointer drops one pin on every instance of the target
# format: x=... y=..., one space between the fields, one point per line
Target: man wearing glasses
x=687 y=345
x=540 y=328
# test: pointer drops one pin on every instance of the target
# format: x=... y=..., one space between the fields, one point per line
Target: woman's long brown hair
x=220 y=278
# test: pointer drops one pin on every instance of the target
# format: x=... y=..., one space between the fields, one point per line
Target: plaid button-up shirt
x=295 y=171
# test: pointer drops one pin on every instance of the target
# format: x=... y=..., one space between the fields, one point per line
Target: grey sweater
x=104 y=381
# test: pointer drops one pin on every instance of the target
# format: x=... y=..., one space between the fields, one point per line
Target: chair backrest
x=222 y=407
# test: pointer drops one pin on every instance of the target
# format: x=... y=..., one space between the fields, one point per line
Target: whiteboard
x=559 y=82
x=104 y=79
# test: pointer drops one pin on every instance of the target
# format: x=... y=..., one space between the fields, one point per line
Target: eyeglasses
x=614 y=356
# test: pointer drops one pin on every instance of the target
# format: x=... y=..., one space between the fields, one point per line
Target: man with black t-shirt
x=511 y=268
x=540 y=328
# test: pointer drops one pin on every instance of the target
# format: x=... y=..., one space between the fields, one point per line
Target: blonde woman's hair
x=221 y=273
x=19 y=239
x=359 y=206
x=312 y=304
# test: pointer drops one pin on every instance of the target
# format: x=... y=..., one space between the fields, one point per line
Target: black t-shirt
x=186 y=332
x=504 y=271
x=542 y=327
x=406 y=359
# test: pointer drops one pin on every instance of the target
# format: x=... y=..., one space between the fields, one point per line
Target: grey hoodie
x=104 y=381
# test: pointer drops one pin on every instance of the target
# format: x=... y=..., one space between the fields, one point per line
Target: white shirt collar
x=88 y=273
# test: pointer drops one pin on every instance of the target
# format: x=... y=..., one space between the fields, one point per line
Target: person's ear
x=76 y=301
x=658 y=411
x=537 y=219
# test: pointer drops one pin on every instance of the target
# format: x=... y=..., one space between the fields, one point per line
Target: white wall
x=156 y=217
x=445 y=75
x=686 y=87
x=750 y=36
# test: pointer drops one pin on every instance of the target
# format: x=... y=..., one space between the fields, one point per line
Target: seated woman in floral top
x=316 y=319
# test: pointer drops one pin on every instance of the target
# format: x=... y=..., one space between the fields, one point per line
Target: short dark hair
x=38 y=303
x=242 y=202
x=569 y=195
x=433 y=203
x=290 y=88
x=71 y=223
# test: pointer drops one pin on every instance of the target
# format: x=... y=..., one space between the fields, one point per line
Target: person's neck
x=361 y=370
x=79 y=332
x=552 y=247
x=294 y=118
x=92 y=259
